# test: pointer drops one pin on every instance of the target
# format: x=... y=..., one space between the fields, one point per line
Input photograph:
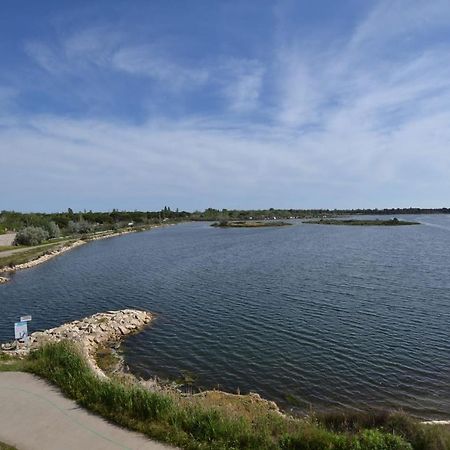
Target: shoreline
x=106 y=330
x=65 y=248
x=89 y=333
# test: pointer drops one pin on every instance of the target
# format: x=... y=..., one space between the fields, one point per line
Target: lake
x=309 y=315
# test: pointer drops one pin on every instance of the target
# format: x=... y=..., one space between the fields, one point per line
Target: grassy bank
x=26 y=254
x=30 y=253
x=191 y=424
x=4 y=446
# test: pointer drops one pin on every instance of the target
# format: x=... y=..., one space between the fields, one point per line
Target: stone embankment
x=89 y=333
x=57 y=251
x=44 y=258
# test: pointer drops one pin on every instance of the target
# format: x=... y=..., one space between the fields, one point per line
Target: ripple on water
x=332 y=316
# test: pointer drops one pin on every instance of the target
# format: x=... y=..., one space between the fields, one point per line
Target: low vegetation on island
x=357 y=222
x=249 y=223
x=191 y=423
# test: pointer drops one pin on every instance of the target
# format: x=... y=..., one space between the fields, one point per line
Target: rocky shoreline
x=64 y=248
x=44 y=258
x=109 y=328
x=104 y=330
x=89 y=334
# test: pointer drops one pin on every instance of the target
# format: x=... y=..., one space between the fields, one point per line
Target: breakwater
x=89 y=333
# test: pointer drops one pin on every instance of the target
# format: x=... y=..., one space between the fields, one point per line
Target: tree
x=80 y=227
x=31 y=236
x=53 y=230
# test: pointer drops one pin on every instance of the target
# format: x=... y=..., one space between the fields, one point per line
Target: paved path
x=35 y=416
x=7 y=239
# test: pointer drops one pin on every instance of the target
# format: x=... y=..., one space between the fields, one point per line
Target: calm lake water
x=304 y=315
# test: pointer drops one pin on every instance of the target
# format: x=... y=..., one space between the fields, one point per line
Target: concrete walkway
x=35 y=416
x=7 y=239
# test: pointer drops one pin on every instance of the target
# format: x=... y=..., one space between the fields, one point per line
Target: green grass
x=193 y=425
x=30 y=254
x=34 y=252
x=4 y=446
x=4 y=248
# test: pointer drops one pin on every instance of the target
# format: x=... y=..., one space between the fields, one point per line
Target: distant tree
x=80 y=227
x=31 y=236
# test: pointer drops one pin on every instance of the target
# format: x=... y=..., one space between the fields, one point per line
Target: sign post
x=21 y=331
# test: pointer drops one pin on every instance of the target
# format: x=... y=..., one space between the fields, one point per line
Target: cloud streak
x=360 y=120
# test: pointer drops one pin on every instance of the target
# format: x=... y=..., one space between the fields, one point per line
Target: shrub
x=317 y=439
x=53 y=230
x=31 y=236
x=80 y=227
x=375 y=440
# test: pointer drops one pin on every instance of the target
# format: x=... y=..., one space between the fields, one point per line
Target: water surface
x=304 y=315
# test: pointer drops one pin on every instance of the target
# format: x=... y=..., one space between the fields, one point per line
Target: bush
x=31 y=236
x=375 y=440
x=80 y=227
x=53 y=230
x=317 y=439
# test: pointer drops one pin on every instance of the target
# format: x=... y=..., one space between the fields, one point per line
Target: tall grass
x=174 y=420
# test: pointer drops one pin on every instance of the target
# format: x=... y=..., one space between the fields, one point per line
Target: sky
x=226 y=104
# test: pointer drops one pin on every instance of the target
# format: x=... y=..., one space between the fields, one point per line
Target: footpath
x=34 y=416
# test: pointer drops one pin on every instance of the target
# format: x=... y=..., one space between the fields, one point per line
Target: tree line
x=38 y=227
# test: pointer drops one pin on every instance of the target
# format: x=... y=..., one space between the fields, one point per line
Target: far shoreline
x=66 y=246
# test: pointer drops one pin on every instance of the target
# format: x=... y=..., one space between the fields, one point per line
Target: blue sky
x=227 y=104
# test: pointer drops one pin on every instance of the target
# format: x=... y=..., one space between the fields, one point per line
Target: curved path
x=35 y=416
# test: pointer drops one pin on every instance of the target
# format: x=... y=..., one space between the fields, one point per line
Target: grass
x=4 y=446
x=29 y=255
x=191 y=423
x=4 y=248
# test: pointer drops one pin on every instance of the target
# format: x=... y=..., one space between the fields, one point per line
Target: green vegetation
x=193 y=423
x=30 y=254
x=31 y=236
x=83 y=222
x=212 y=214
x=249 y=224
x=4 y=446
x=353 y=222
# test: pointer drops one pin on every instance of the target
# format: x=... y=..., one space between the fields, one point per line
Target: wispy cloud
x=311 y=122
x=150 y=61
x=241 y=82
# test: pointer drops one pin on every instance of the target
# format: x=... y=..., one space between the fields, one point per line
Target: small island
x=249 y=223
x=366 y=222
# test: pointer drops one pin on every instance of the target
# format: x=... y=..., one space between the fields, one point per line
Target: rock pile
x=3 y=280
x=91 y=332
